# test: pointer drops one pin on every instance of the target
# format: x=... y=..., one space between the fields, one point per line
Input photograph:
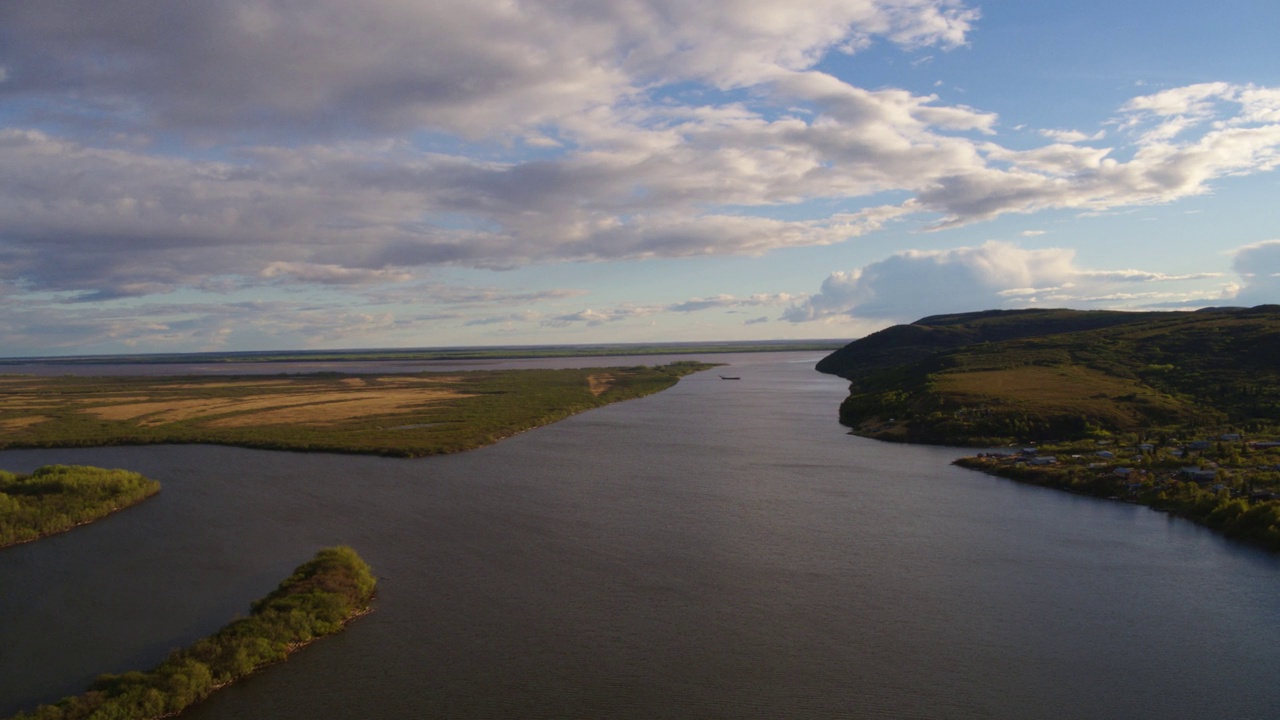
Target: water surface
x=721 y=549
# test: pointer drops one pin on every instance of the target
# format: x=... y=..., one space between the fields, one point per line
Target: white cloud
x=1072 y=136
x=995 y=275
x=333 y=274
x=1259 y=267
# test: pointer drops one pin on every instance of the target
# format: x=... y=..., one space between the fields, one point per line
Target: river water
x=721 y=549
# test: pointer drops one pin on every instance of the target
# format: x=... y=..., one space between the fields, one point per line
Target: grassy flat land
x=405 y=415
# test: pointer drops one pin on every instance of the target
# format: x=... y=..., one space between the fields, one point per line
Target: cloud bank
x=915 y=284
x=153 y=146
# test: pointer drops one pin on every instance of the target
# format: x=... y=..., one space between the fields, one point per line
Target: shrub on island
x=55 y=498
x=318 y=599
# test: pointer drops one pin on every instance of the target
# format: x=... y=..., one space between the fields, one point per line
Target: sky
x=223 y=175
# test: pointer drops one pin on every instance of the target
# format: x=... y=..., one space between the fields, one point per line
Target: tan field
x=600 y=384
x=326 y=410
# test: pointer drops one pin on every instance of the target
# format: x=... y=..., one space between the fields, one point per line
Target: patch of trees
x=318 y=599
x=1256 y=522
x=55 y=498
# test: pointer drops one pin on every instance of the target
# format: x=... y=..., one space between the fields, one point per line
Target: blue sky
x=263 y=174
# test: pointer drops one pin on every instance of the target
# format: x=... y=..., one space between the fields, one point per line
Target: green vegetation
x=1002 y=377
x=319 y=598
x=406 y=415
x=55 y=498
x=1230 y=485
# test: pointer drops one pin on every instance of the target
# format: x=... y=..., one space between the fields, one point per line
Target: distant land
x=1017 y=376
x=432 y=354
x=403 y=414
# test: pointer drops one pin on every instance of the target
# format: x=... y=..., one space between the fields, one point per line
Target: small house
x=1195 y=474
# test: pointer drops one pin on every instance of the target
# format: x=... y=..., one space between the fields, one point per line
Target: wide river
x=721 y=549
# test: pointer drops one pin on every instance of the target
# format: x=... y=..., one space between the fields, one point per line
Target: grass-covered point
x=407 y=415
x=319 y=598
x=999 y=377
x=1227 y=483
x=55 y=498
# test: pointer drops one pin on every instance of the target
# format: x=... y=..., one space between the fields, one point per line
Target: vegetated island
x=406 y=415
x=1178 y=411
x=56 y=498
x=318 y=599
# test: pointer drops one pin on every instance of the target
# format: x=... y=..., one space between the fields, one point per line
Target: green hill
x=1034 y=375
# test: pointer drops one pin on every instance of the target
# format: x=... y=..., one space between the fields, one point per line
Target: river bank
x=1233 y=493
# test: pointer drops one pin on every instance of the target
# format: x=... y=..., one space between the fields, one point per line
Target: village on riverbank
x=1227 y=481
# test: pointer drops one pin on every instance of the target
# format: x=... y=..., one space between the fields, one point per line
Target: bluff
x=1032 y=375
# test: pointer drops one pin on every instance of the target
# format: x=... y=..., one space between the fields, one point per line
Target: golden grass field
x=1059 y=390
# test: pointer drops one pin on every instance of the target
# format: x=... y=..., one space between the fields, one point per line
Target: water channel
x=721 y=549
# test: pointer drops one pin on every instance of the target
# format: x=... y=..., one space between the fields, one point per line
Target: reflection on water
x=722 y=549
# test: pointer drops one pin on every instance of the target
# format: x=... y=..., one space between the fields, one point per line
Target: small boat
x=730 y=377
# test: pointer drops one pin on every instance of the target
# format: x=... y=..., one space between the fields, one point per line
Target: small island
x=56 y=498
x=318 y=599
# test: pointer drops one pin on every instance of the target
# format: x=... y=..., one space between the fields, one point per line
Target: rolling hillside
x=1033 y=375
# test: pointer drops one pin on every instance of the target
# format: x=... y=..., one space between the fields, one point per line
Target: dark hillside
x=1060 y=374
x=908 y=343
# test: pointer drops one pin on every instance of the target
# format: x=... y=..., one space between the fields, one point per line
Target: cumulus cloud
x=1259 y=267
x=994 y=275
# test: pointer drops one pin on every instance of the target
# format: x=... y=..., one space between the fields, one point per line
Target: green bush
x=319 y=598
x=59 y=497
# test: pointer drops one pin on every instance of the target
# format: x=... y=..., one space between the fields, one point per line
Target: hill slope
x=1016 y=376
